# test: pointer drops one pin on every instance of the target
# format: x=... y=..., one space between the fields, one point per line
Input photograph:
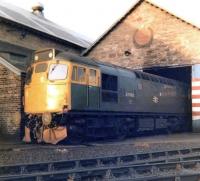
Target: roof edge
x=138 y=2
x=172 y=14
x=12 y=68
x=84 y=53
x=41 y=33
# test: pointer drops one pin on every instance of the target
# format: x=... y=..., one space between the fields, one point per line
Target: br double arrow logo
x=155 y=99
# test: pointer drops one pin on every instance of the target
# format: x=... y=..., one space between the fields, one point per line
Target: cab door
x=93 y=88
x=79 y=88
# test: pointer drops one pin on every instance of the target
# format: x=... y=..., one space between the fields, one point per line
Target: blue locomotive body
x=130 y=102
x=153 y=102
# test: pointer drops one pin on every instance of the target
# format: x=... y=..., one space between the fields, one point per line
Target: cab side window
x=92 y=76
x=42 y=67
x=79 y=74
x=74 y=73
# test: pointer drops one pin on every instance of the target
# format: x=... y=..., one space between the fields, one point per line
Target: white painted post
x=195 y=95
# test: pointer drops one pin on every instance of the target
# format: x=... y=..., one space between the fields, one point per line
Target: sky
x=91 y=18
x=187 y=10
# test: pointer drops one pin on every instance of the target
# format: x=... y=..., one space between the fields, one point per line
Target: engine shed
x=153 y=39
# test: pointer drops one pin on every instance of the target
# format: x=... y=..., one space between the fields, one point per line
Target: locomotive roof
x=84 y=60
x=110 y=68
x=75 y=58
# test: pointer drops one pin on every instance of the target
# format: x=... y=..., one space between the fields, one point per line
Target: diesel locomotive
x=73 y=98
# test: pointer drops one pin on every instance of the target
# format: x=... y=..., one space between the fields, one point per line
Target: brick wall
x=149 y=36
x=10 y=102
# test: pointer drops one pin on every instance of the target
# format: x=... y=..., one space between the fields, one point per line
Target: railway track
x=171 y=164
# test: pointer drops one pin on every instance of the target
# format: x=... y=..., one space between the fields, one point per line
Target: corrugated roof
x=39 y=23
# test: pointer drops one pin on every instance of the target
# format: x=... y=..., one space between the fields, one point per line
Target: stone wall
x=149 y=36
x=11 y=86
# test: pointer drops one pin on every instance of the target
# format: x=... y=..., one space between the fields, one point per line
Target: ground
x=17 y=153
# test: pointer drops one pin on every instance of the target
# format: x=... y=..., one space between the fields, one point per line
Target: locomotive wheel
x=26 y=133
x=74 y=140
x=76 y=135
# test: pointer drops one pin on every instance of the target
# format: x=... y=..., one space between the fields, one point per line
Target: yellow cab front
x=46 y=87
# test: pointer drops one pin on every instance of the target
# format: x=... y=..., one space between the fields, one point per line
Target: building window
x=18 y=60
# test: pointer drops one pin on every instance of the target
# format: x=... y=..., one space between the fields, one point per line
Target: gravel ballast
x=18 y=153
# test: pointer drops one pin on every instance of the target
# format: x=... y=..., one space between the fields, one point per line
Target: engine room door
x=93 y=89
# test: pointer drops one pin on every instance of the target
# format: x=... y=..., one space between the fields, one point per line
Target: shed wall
x=149 y=36
x=11 y=86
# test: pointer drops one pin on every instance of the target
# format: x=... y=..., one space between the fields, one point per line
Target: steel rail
x=116 y=172
x=105 y=164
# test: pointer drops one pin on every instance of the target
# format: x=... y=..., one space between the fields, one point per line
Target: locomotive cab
x=46 y=94
x=46 y=87
x=56 y=83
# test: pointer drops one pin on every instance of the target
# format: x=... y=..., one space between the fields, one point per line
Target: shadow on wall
x=11 y=107
x=9 y=127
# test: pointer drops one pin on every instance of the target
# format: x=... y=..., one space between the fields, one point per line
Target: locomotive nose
x=45 y=98
x=56 y=97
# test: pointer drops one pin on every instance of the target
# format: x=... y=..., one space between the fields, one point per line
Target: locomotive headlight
x=50 y=55
x=36 y=57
